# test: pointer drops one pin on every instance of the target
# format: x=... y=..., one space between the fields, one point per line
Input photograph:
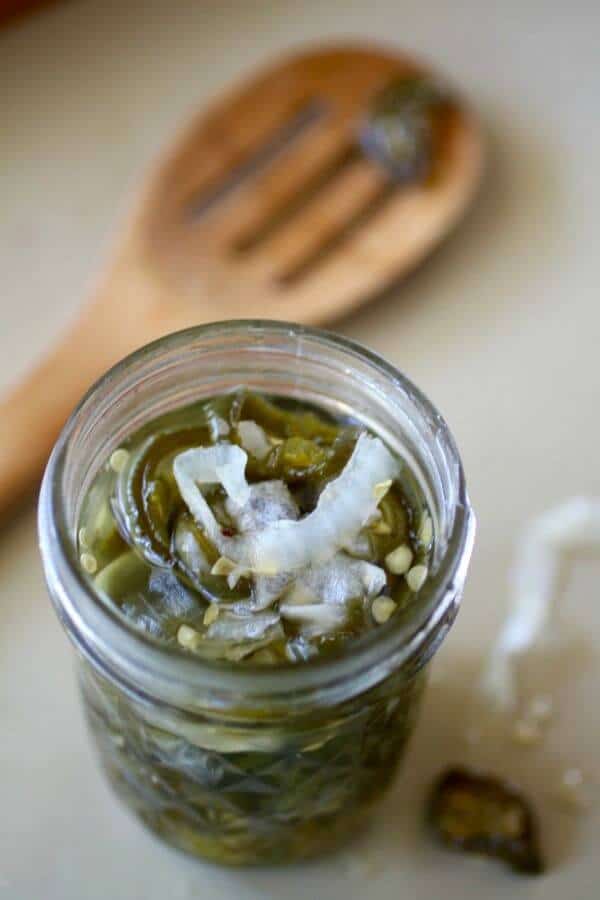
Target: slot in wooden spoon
x=264 y=206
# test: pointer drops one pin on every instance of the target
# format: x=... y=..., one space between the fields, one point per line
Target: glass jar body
x=226 y=761
x=246 y=787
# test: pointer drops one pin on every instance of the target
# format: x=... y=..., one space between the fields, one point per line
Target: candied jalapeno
x=292 y=454
x=479 y=813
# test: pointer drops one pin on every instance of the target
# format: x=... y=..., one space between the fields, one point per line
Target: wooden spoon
x=264 y=206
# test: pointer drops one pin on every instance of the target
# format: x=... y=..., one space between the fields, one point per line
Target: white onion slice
x=573 y=526
x=345 y=504
x=223 y=464
x=319 y=596
x=360 y=545
x=267 y=502
x=231 y=627
x=268 y=588
x=342 y=579
x=189 y=550
x=318 y=618
x=278 y=548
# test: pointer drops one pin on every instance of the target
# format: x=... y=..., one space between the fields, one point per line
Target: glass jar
x=234 y=762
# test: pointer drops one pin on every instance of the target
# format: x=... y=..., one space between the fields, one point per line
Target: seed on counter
x=89 y=563
x=382 y=608
x=572 y=778
x=119 y=459
x=416 y=577
x=381 y=489
x=211 y=615
x=570 y=790
x=526 y=733
x=188 y=637
x=399 y=561
x=425 y=535
x=541 y=708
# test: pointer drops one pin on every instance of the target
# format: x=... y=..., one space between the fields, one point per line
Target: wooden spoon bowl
x=265 y=207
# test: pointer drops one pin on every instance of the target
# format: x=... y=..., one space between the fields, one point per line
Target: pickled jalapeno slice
x=478 y=813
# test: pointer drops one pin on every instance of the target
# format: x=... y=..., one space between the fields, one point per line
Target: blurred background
x=500 y=327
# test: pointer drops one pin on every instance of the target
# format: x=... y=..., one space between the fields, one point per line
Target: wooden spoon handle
x=33 y=413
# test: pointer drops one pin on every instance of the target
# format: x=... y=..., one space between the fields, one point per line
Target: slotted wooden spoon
x=264 y=206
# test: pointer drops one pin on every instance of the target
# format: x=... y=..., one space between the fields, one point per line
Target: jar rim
x=145 y=666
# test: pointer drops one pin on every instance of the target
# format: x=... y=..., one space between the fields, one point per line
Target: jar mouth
x=143 y=665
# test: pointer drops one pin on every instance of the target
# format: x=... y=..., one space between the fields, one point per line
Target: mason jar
x=232 y=761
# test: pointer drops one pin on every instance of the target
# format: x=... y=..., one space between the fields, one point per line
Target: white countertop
x=501 y=328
